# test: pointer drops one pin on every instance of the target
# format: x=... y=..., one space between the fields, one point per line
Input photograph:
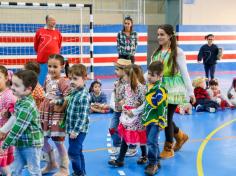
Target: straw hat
x=122 y=63
x=198 y=81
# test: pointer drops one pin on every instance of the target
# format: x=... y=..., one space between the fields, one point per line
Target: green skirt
x=175 y=86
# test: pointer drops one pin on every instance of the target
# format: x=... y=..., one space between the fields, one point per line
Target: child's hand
x=218 y=95
x=4 y=113
x=121 y=102
x=58 y=108
x=2 y=135
x=73 y=135
x=52 y=102
x=129 y=113
x=137 y=104
x=192 y=99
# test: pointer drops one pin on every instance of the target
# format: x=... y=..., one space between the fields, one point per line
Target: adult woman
x=127 y=40
x=176 y=80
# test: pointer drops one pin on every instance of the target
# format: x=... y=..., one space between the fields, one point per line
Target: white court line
x=121 y=172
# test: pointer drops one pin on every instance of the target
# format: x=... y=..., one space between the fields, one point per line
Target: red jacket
x=47 y=42
x=201 y=93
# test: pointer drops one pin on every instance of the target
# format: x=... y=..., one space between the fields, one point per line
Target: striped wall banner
x=191 y=38
x=16 y=44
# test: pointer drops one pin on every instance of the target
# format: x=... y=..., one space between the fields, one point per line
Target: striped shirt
x=77 y=113
x=26 y=131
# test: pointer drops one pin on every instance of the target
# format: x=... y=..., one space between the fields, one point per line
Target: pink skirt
x=136 y=137
x=7 y=157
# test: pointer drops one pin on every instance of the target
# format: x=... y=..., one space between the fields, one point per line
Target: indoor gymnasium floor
x=210 y=150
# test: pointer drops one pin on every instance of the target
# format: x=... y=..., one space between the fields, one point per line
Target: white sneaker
x=114 y=151
x=211 y=109
x=131 y=152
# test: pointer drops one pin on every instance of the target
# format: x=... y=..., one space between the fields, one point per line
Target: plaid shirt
x=77 y=113
x=127 y=45
x=26 y=131
x=201 y=93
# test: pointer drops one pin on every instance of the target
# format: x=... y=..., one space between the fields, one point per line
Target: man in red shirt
x=47 y=41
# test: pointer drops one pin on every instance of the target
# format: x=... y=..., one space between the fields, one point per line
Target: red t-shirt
x=47 y=42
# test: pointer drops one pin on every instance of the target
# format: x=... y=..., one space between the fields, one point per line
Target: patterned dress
x=7 y=102
x=50 y=120
x=131 y=128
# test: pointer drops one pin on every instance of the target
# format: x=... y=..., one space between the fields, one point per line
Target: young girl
x=56 y=87
x=131 y=130
x=118 y=96
x=98 y=98
x=177 y=82
x=216 y=94
x=7 y=101
x=232 y=93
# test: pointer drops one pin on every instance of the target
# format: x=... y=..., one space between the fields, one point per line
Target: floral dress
x=131 y=128
x=7 y=102
x=50 y=120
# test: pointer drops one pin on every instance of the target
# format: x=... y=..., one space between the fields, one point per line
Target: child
x=7 y=102
x=216 y=95
x=26 y=134
x=232 y=93
x=154 y=117
x=118 y=98
x=131 y=130
x=77 y=117
x=98 y=98
x=56 y=87
x=155 y=114
x=185 y=108
x=38 y=93
x=203 y=101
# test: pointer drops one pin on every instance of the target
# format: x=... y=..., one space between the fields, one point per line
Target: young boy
x=77 y=117
x=155 y=114
x=26 y=134
x=38 y=93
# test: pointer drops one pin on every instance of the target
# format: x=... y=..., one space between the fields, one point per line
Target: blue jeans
x=152 y=142
x=43 y=73
x=115 y=120
x=76 y=155
x=29 y=156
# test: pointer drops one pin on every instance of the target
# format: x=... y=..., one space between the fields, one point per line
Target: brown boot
x=168 y=151
x=151 y=169
x=180 y=138
x=51 y=165
x=64 y=166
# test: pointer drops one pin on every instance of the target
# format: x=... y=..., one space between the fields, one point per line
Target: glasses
x=209 y=39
